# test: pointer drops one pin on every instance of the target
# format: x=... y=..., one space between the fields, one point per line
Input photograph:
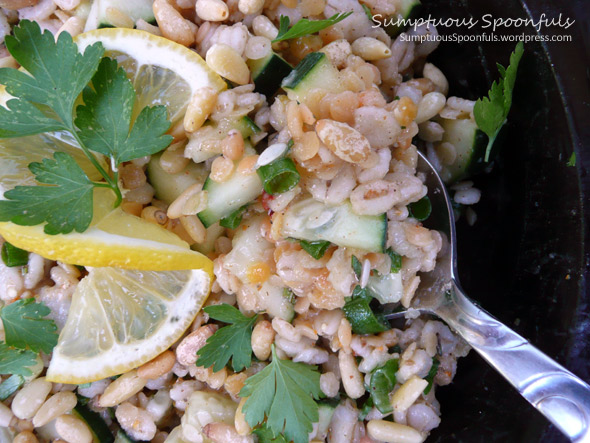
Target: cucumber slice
x=169 y=186
x=277 y=304
x=122 y=437
x=213 y=233
x=199 y=147
x=314 y=72
x=224 y=198
x=100 y=431
x=387 y=288
x=268 y=73
x=135 y=9
x=408 y=9
x=325 y=412
x=311 y=220
x=470 y=143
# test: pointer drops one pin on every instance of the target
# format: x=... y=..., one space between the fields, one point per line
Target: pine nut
x=154 y=215
x=240 y=423
x=351 y=377
x=172 y=159
x=226 y=61
x=347 y=143
x=234 y=383
x=436 y=76
x=257 y=47
x=157 y=367
x=72 y=429
x=263 y=336
x=390 y=432
x=232 y=146
x=194 y=227
x=408 y=393
x=186 y=351
x=262 y=26
x=118 y=18
x=212 y=10
x=248 y=7
x=25 y=437
x=121 y=389
x=6 y=415
x=430 y=105
x=173 y=25
x=59 y=404
x=370 y=49
x=201 y=105
x=29 y=399
x=248 y=165
x=177 y=207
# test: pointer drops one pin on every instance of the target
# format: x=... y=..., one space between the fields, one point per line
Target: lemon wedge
x=120 y=319
x=163 y=73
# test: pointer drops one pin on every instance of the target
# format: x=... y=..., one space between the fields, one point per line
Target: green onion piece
x=316 y=249
x=94 y=421
x=13 y=256
x=360 y=315
x=366 y=408
x=382 y=382
x=357 y=267
x=279 y=176
x=290 y=144
x=396 y=260
x=233 y=220
x=10 y=386
x=84 y=385
x=289 y=295
x=431 y=374
x=421 y=209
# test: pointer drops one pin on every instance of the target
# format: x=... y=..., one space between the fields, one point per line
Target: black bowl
x=525 y=258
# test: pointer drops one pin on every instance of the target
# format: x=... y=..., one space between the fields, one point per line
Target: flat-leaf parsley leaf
x=284 y=393
x=56 y=74
x=305 y=26
x=491 y=112
x=230 y=342
x=26 y=328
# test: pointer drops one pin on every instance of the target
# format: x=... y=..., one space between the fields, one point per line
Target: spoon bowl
x=558 y=394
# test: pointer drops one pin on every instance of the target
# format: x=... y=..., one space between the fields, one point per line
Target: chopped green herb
x=304 y=26
x=357 y=267
x=289 y=295
x=233 y=220
x=284 y=394
x=279 y=176
x=396 y=260
x=491 y=112
x=360 y=315
x=368 y=12
x=316 y=249
x=431 y=374
x=13 y=256
x=396 y=349
x=16 y=361
x=572 y=160
x=230 y=342
x=25 y=327
x=366 y=408
x=56 y=74
x=383 y=380
x=421 y=209
x=265 y=435
x=10 y=386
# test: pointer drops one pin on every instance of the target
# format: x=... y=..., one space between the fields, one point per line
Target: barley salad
x=200 y=245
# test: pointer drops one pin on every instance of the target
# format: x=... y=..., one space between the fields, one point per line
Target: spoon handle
x=557 y=393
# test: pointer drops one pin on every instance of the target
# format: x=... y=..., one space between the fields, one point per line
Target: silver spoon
x=557 y=393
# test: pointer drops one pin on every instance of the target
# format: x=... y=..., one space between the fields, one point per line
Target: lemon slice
x=121 y=319
x=162 y=72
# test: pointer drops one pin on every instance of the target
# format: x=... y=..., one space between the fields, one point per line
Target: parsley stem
x=111 y=183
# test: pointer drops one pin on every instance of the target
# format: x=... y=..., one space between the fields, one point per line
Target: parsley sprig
x=230 y=342
x=305 y=26
x=27 y=332
x=491 y=112
x=284 y=394
x=45 y=97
